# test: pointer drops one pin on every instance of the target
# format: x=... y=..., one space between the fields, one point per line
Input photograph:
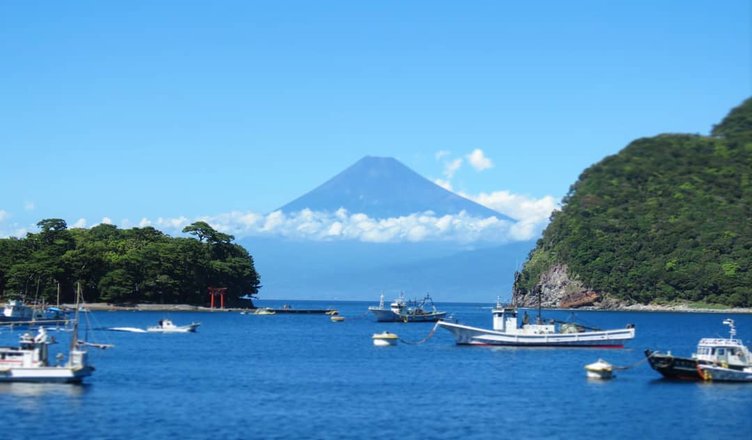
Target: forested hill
x=124 y=265
x=667 y=219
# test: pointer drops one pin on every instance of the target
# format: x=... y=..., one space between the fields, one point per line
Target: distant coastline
x=682 y=308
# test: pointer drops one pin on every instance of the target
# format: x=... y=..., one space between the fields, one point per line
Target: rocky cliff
x=557 y=289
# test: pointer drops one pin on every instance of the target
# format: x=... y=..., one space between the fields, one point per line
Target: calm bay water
x=288 y=376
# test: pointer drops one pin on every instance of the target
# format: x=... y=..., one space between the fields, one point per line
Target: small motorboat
x=384 y=339
x=599 y=370
x=167 y=326
x=264 y=311
x=337 y=318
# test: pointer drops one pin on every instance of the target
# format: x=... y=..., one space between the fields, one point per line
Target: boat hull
x=673 y=367
x=599 y=374
x=191 y=328
x=386 y=315
x=466 y=335
x=45 y=374
x=720 y=374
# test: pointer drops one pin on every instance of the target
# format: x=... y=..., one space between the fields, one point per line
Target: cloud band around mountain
x=529 y=217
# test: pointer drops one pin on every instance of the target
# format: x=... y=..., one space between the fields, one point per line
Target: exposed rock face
x=556 y=289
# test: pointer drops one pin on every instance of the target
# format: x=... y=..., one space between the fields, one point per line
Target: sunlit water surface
x=303 y=376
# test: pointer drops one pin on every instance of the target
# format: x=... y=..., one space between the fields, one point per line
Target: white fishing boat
x=507 y=332
x=29 y=361
x=402 y=310
x=719 y=373
x=599 y=370
x=16 y=310
x=167 y=326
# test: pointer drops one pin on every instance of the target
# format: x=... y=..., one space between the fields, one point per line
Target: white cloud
x=342 y=225
x=3 y=215
x=173 y=223
x=29 y=206
x=447 y=185
x=451 y=167
x=106 y=221
x=441 y=154
x=517 y=206
x=478 y=160
x=80 y=223
x=529 y=217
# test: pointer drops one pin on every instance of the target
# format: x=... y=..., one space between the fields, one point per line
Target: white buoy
x=600 y=370
x=384 y=339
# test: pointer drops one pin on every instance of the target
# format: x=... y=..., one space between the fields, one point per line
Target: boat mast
x=539 y=305
x=74 y=336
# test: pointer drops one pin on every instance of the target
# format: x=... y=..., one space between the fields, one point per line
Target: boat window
x=721 y=351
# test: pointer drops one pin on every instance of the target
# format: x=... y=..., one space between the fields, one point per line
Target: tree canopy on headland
x=125 y=265
x=669 y=218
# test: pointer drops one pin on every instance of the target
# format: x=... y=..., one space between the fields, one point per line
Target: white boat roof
x=720 y=342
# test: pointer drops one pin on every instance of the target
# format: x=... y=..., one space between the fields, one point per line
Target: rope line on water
x=429 y=336
x=627 y=367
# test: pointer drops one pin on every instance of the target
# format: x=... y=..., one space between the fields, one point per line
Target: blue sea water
x=303 y=376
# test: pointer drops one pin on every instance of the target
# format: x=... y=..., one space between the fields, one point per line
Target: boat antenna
x=732 y=330
x=539 y=304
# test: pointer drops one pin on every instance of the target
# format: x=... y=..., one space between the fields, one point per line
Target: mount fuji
x=380 y=188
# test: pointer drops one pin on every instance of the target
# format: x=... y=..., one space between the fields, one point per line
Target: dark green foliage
x=125 y=266
x=668 y=218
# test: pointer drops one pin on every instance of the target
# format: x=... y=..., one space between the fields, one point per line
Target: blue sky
x=135 y=111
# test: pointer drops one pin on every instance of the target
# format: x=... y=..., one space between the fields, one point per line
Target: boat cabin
x=729 y=352
x=505 y=320
x=31 y=352
x=17 y=311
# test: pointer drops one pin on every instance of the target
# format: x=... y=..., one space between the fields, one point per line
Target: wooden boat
x=717 y=354
x=507 y=332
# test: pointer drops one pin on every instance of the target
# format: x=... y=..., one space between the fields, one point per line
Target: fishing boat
x=402 y=310
x=16 y=310
x=717 y=358
x=167 y=326
x=30 y=360
x=507 y=332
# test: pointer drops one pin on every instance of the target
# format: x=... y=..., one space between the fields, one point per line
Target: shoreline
x=106 y=307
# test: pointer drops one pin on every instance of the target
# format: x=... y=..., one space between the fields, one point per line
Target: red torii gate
x=218 y=291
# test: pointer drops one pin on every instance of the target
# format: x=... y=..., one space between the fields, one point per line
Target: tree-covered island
x=668 y=220
x=125 y=266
